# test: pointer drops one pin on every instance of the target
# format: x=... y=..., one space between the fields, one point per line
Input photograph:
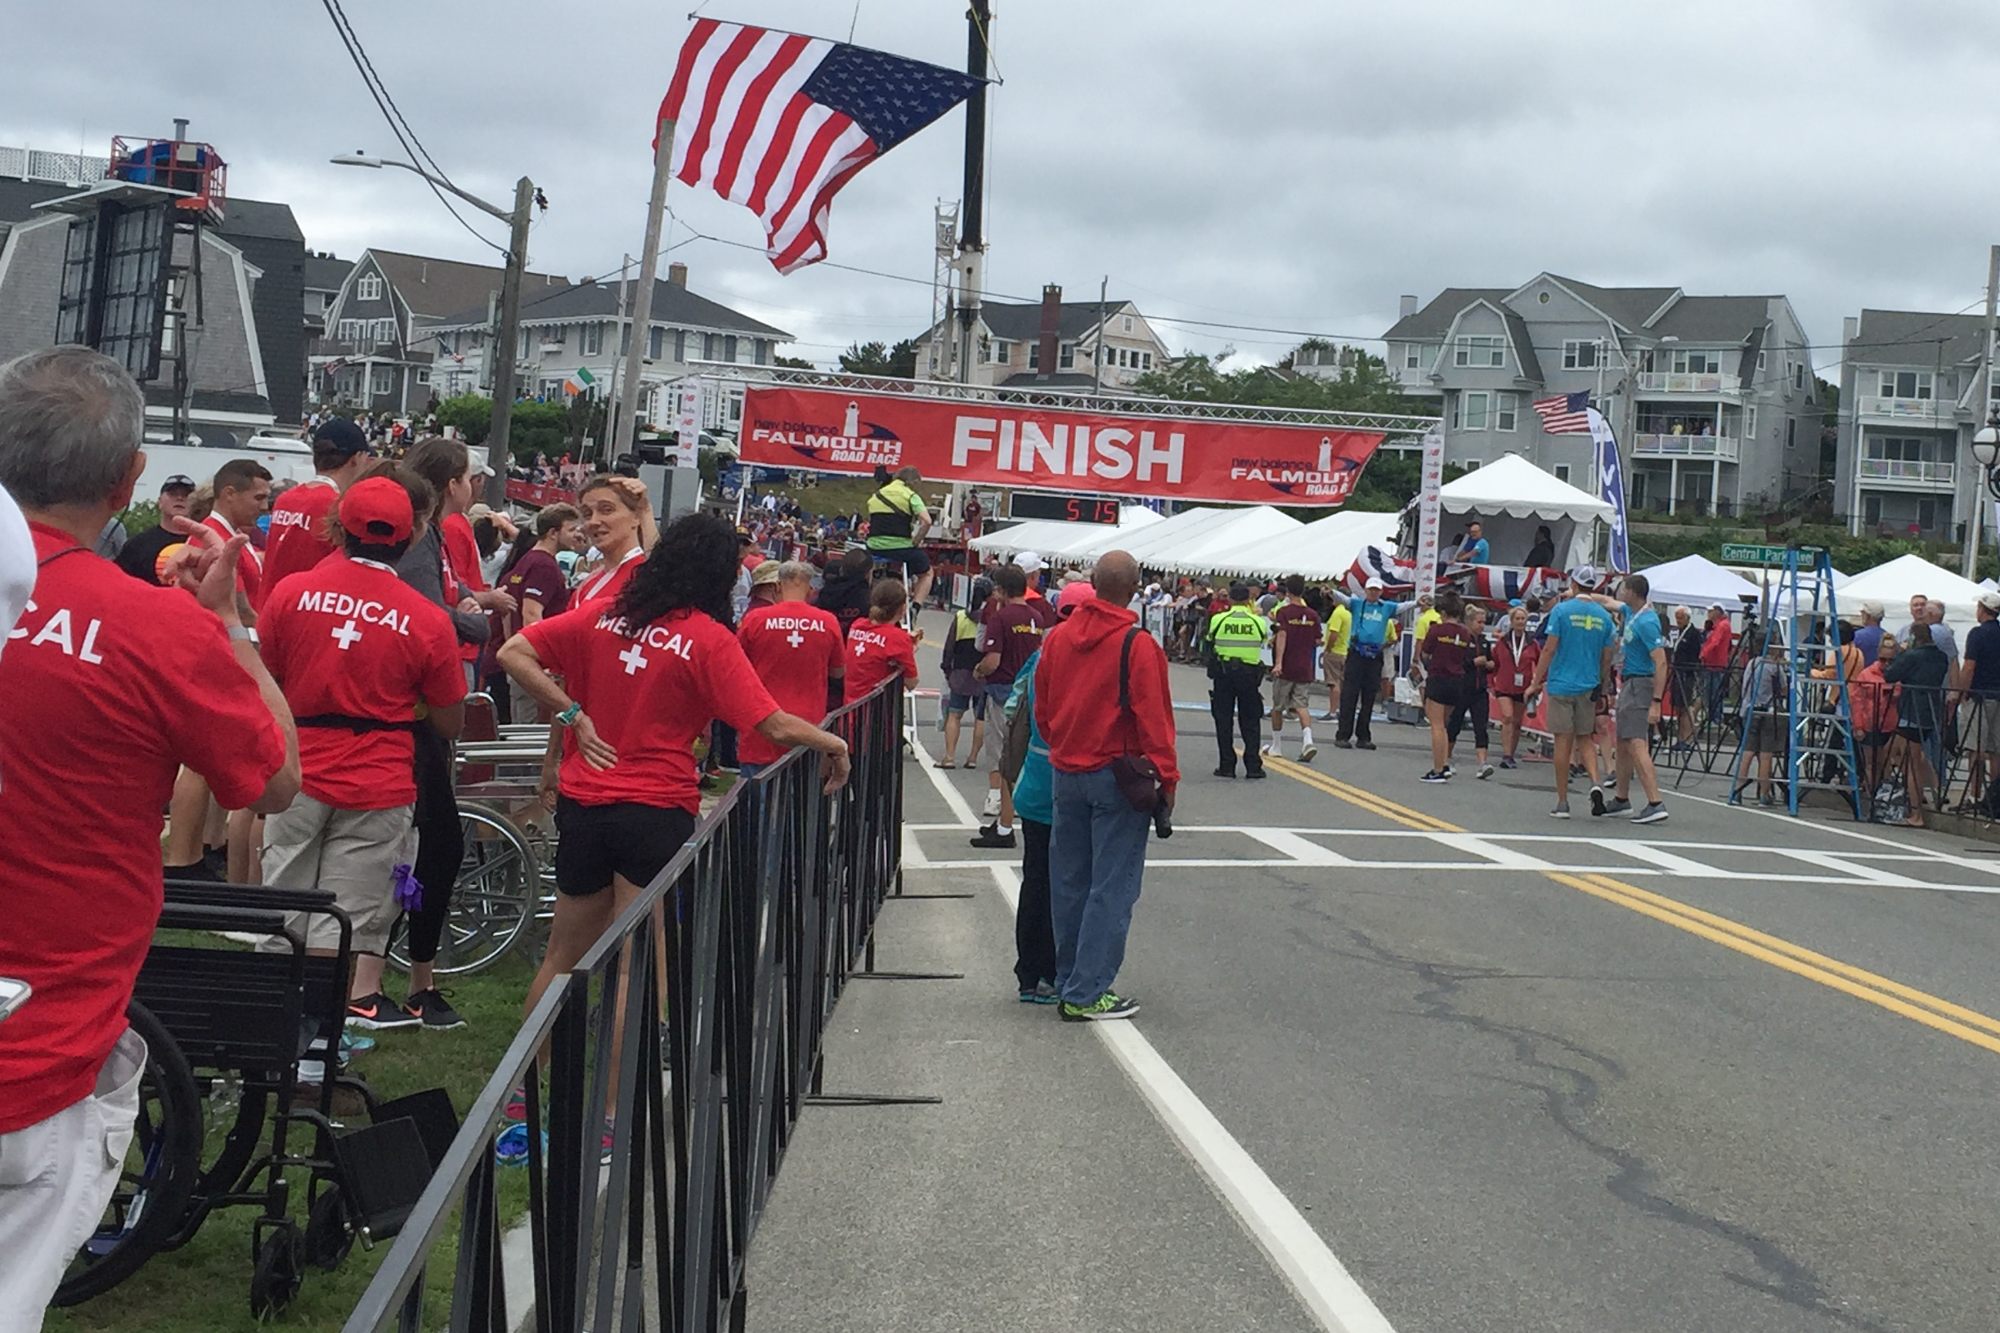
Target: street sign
x=1734 y=553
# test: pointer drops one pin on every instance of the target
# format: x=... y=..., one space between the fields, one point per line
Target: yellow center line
x=1968 y=1025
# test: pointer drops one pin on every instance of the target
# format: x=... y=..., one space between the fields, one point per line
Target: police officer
x=1234 y=646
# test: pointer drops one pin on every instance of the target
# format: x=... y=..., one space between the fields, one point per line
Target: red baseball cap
x=377 y=511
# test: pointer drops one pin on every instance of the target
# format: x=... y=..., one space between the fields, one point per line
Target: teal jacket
x=1033 y=797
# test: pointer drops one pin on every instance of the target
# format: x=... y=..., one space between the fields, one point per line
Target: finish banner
x=1009 y=444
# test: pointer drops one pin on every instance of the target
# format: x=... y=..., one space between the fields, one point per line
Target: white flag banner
x=687 y=422
x=1429 y=517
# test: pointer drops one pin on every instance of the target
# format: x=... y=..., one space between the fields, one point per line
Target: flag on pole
x=1564 y=414
x=1430 y=510
x=577 y=383
x=778 y=122
x=1610 y=487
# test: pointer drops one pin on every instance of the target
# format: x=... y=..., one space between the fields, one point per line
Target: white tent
x=1699 y=582
x=1159 y=539
x=1512 y=497
x=1202 y=552
x=1326 y=548
x=1051 y=537
x=1904 y=577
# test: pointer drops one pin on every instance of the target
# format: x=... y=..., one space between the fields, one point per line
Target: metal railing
x=1923 y=471
x=37 y=164
x=1654 y=381
x=1717 y=447
x=764 y=916
x=1906 y=409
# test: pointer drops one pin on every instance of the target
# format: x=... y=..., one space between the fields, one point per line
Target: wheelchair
x=224 y=1119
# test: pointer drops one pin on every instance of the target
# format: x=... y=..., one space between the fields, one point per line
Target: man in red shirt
x=114 y=683
x=1298 y=633
x=358 y=652
x=1718 y=646
x=796 y=649
x=1008 y=636
x=242 y=494
x=1097 y=841
x=299 y=518
x=878 y=647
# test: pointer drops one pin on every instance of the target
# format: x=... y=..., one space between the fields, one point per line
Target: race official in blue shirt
x=1575 y=663
x=1642 y=688
x=1472 y=550
x=1372 y=631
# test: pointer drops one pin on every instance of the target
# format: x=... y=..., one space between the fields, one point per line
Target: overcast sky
x=1291 y=164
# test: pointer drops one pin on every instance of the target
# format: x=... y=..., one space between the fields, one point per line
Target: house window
x=680 y=345
x=1927 y=514
x=761 y=352
x=423 y=377
x=350 y=330
x=1897 y=448
x=710 y=346
x=1145 y=360
x=1760 y=361
x=1128 y=324
x=1480 y=350
x=1791 y=432
x=1580 y=354
x=1506 y=408
x=522 y=353
x=729 y=348
x=1413 y=357
x=1470 y=411
x=384 y=330
x=381 y=382
x=1798 y=369
x=1871 y=510
x=1066 y=356
x=1698 y=362
x=1034 y=356
x=1562 y=472
x=1750 y=423
x=593 y=339
x=1003 y=353
x=368 y=288
x=1906 y=384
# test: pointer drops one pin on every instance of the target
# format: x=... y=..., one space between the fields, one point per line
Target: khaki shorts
x=1635 y=704
x=1570 y=714
x=1979 y=725
x=348 y=853
x=1287 y=695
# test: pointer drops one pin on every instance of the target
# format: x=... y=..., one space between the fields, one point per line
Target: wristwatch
x=568 y=716
x=244 y=633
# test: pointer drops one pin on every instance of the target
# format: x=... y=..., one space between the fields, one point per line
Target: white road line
x=1498 y=857
x=1833 y=861
x=1300 y=850
x=1654 y=855
x=945 y=790
x=1321 y=1282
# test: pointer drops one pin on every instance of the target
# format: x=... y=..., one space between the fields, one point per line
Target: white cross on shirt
x=633 y=659
x=346 y=635
x=860 y=650
x=795 y=638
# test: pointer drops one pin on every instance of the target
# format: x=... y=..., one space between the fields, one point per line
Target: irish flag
x=578 y=382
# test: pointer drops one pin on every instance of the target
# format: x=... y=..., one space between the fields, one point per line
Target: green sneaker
x=1107 y=1005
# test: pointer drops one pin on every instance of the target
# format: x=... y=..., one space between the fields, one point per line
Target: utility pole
x=642 y=299
x=972 y=236
x=1097 y=370
x=504 y=345
x=1982 y=411
x=611 y=394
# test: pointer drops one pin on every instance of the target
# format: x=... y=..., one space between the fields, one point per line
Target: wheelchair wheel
x=493 y=900
x=159 y=1173
x=280 y=1272
x=327 y=1238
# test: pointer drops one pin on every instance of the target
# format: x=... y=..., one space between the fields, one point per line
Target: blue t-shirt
x=1473 y=553
x=1581 y=630
x=1371 y=620
x=1641 y=636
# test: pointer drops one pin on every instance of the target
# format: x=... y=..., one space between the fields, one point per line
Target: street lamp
x=510 y=306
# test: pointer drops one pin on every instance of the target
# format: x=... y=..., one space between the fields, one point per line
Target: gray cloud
x=1271 y=162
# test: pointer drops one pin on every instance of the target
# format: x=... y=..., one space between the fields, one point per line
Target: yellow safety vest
x=1239 y=635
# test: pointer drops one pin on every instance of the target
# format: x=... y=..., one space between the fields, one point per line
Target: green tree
x=876 y=358
x=471 y=413
x=793 y=363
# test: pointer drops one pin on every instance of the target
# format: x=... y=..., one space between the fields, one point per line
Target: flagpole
x=642 y=300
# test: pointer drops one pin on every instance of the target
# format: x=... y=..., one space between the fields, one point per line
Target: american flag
x=1564 y=414
x=778 y=122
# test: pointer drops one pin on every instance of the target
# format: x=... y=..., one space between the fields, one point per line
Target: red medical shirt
x=298 y=538
x=794 y=646
x=249 y=565
x=874 y=653
x=607 y=583
x=649 y=696
x=113 y=684
x=349 y=637
x=461 y=553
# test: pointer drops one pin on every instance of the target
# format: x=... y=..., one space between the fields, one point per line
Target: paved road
x=1734 y=1071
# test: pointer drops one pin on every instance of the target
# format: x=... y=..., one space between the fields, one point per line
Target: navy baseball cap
x=341 y=436
x=180 y=481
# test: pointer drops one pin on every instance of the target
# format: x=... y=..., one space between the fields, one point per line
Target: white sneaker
x=992 y=807
x=1265 y=748
x=1307 y=753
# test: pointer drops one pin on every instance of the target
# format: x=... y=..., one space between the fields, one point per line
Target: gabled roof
x=1630 y=306
x=1435 y=319
x=242 y=218
x=1022 y=322
x=324 y=273
x=1914 y=338
x=672 y=304
x=439 y=287
x=1712 y=319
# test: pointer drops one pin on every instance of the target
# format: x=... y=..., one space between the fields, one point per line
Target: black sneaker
x=1252 y=774
x=377 y=1012
x=1225 y=772
x=1435 y=776
x=430 y=1008
x=1340 y=744
x=217 y=861
x=1364 y=745
x=1597 y=800
x=197 y=871
x=991 y=836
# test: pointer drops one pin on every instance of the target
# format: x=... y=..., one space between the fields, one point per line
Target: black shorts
x=914 y=562
x=595 y=842
x=1450 y=691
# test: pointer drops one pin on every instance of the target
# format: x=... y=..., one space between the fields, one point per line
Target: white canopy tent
x=1050 y=537
x=1698 y=582
x=1160 y=539
x=1326 y=548
x=1511 y=497
x=1894 y=583
x=1204 y=552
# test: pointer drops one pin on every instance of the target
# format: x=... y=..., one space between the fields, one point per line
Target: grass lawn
x=205 y=1287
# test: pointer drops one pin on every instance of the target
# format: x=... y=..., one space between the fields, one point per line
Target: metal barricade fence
x=764 y=915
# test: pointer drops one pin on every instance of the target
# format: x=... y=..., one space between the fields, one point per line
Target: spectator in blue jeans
x=1034 y=806
x=1097 y=841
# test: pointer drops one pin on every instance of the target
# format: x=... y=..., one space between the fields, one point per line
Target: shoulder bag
x=1137 y=776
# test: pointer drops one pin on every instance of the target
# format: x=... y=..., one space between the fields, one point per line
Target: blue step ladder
x=1819 y=723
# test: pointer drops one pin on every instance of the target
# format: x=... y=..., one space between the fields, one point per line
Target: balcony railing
x=1651 y=381
x=1709 y=448
x=1908 y=409
x=1911 y=471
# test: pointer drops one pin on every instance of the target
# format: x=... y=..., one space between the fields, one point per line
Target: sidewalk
x=1044 y=1193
